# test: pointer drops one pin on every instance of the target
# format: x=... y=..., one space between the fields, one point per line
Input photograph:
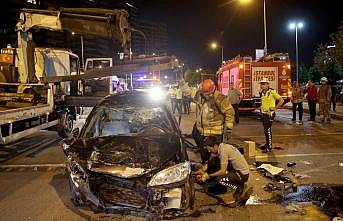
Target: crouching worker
x=227 y=168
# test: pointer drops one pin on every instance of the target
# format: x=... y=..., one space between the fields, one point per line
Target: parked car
x=129 y=156
x=340 y=95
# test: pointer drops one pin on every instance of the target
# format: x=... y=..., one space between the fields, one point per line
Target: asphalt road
x=34 y=185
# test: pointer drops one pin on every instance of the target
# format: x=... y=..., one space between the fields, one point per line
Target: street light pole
x=265 y=27
x=82 y=56
x=214 y=45
x=296 y=26
x=296 y=52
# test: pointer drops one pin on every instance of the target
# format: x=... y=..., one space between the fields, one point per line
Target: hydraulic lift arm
x=111 y=24
x=139 y=65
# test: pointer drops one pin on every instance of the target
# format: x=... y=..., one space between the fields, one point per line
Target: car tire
x=66 y=126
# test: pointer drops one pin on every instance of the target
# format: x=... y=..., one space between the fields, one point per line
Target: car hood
x=126 y=156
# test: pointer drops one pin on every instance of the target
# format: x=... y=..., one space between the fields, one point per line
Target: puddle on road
x=328 y=198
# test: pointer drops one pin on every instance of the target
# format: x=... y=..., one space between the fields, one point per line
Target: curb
x=333 y=115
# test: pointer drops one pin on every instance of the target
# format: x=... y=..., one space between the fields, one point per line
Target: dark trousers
x=312 y=108
x=300 y=109
x=235 y=107
x=333 y=105
x=173 y=104
x=267 y=121
x=178 y=106
x=186 y=104
x=231 y=178
x=199 y=140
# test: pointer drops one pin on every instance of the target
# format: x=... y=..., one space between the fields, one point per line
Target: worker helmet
x=208 y=86
x=264 y=80
x=324 y=79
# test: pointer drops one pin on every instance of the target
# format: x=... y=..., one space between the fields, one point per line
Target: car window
x=127 y=121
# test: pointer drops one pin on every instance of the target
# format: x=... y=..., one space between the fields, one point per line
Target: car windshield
x=127 y=121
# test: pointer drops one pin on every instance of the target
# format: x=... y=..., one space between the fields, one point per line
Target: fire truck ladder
x=247 y=80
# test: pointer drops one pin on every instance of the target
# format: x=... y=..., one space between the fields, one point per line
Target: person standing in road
x=333 y=97
x=311 y=91
x=186 y=98
x=178 y=96
x=324 y=98
x=268 y=99
x=172 y=97
x=214 y=116
x=235 y=97
x=297 y=101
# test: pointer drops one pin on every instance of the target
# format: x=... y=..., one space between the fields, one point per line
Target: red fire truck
x=245 y=74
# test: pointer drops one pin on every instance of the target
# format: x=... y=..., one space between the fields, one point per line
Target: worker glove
x=227 y=136
x=203 y=177
x=200 y=171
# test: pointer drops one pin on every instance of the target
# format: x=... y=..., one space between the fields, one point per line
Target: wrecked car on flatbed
x=129 y=156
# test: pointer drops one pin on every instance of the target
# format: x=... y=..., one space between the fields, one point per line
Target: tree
x=326 y=63
x=337 y=40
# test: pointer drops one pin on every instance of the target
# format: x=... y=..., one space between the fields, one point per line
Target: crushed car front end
x=153 y=192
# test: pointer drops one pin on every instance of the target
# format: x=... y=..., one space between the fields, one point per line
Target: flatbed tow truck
x=33 y=97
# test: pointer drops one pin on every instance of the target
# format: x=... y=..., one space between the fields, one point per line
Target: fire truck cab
x=245 y=74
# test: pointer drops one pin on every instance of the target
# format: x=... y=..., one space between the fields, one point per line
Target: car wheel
x=66 y=126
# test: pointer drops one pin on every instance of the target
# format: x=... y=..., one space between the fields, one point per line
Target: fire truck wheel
x=66 y=126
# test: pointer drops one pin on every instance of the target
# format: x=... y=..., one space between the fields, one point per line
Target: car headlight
x=156 y=94
x=170 y=175
x=77 y=174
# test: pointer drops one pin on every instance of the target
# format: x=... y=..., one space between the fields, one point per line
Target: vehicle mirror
x=75 y=132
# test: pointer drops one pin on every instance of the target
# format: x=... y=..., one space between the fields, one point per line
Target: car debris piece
x=271 y=187
x=301 y=176
x=306 y=162
x=253 y=200
x=294 y=208
x=290 y=164
x=271 y=169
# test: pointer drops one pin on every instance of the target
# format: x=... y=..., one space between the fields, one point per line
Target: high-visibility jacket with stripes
x=214 y=114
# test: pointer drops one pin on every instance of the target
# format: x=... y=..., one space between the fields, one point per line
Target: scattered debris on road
x=271 y=169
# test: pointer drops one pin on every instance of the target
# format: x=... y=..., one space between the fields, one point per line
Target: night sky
x=193 y=24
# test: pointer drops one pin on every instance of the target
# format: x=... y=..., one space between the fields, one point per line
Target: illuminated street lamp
x=243 y=2
x=296 y=26
x=214 y=45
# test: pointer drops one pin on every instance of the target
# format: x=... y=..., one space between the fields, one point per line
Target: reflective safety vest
x=214 y=114
x=268 y=100
x=178 y=93
x=171 y=93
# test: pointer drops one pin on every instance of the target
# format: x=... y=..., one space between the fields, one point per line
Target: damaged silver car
x=130 y=157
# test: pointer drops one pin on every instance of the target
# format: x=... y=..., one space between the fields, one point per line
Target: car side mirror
x=75 y=132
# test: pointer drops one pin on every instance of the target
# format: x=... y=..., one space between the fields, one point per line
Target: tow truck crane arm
x=138 y=65
x=111 y=24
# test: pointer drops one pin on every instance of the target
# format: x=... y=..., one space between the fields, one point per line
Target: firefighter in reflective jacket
x=324 y=98
x=214 y=116
x=268 y=108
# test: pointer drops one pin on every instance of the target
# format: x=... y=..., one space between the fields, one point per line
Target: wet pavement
x=35 y=187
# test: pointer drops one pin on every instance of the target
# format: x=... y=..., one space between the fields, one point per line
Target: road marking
x=298 y=155
x=292 y=135
x=33 y=165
